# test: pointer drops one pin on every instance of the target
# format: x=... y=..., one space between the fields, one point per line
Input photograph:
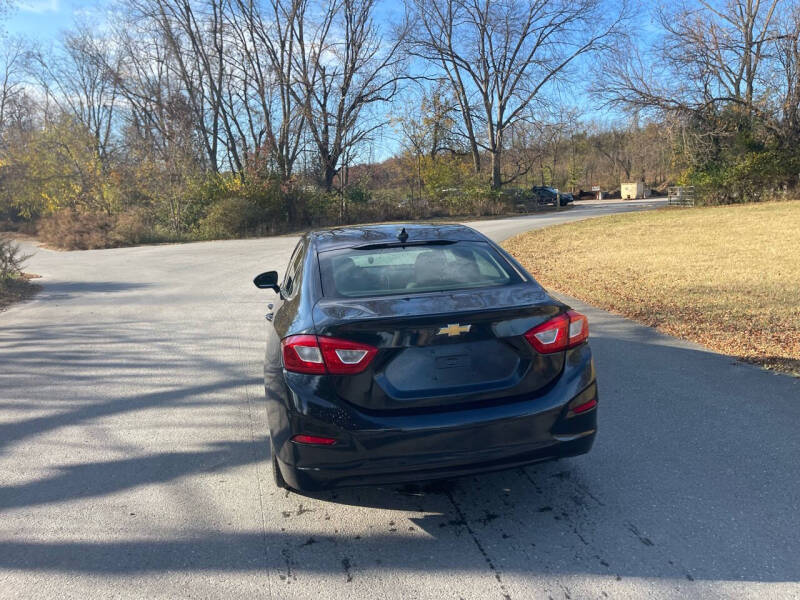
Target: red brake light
x=318 y=355
x=301 y=354
x=564 y=331
x=550 y=336
x=343 y=357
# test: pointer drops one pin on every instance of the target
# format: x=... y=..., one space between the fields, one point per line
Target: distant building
x=634 y=190
x=595 y=194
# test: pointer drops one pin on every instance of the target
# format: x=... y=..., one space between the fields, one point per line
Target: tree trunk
x=476 y=154
x=497 y=181
x=328 y=176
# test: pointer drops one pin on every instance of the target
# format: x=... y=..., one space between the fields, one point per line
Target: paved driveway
x=134 y=459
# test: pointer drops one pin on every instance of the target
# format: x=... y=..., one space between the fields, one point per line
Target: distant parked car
x=547 y=195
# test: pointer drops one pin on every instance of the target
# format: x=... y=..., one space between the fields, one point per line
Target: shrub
x=320 y=208
x=72 y=230
x=749 y=177
x=11 y=261
x=388 y=205
x=358 y=195
x=232 y=217
x=277 y=204
x=134 y=226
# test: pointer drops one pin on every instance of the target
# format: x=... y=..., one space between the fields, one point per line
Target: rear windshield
x=353 y=272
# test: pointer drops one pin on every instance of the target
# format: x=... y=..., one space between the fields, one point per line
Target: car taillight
x=317 y=355
x=301 y=354
x=564 y=331
x=578 y=328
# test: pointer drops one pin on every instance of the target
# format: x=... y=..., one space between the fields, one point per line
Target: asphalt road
x=134 y=461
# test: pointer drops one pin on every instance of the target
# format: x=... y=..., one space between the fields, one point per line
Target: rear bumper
x=345 y=475
x=372 y=450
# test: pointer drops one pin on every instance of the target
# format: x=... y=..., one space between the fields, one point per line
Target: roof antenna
x=403 y=235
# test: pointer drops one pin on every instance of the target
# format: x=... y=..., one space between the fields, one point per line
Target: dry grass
x=725 y=277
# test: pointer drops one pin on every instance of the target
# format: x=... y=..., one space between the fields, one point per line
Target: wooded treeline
x=195 y=119
x=723 y=77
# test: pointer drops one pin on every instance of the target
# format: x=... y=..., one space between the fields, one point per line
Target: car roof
x=362 y=235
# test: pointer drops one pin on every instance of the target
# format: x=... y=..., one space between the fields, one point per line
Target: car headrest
x=429 y=267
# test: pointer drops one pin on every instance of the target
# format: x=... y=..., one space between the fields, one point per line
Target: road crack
x=259 y=475
x=462 y=520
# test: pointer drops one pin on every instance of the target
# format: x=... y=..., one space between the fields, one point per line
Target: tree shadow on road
x=61 y=290
x=94 y=479
x=682 y=483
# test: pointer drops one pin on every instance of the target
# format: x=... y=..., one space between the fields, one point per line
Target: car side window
x=293 y=272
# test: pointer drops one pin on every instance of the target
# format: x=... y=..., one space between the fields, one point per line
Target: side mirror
x=266 y=281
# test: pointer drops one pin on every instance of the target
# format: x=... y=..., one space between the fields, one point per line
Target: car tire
x=277 y=476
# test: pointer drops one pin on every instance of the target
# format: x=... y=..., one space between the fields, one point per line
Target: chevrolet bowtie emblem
x=454 y=329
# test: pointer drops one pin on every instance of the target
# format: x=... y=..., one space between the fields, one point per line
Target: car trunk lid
x=440 y=351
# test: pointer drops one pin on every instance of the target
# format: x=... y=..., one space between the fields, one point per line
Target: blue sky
x=45 y=19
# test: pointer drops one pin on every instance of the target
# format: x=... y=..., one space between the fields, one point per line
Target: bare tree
x=711 y=54
x=428 y=123
x=266 y=44
x=615 y=145
x=77 y=82
x=345 y=69
x=165 y=147
x=501 y=56
x=12 y=56
x=427 y=126
x=543 y=136
x=5 y=6
x=194 y=33
x=525 y=148
x=787 y=83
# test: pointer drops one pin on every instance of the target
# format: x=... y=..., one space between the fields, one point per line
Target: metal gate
x=681 y=196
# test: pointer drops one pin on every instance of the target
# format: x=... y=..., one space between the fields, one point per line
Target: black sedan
x=548 y=195
x=399 y=354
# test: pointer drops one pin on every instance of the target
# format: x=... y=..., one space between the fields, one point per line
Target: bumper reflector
x=581 y=408
x=313 y=439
